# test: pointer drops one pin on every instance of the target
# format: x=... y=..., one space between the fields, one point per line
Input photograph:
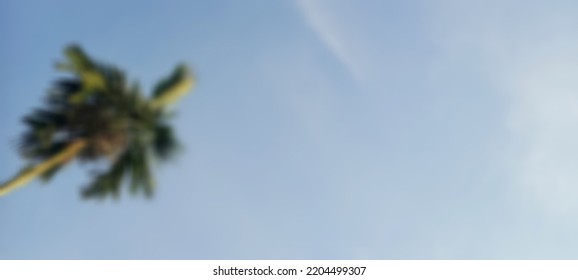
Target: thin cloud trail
x=320 y=21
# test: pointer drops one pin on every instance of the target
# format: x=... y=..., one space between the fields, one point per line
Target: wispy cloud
x=321 y=20
x=531 y=55
x=545 y=113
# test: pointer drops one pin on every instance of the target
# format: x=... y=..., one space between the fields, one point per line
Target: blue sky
x=318 y=130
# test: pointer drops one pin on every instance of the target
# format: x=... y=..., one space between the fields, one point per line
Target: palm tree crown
x=95 y=116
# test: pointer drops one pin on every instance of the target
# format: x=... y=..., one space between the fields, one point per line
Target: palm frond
x=109 y=182
x=42 y=118
x=78 y=59
x=141 y=177
x=89 y=72
x=165 y=144
x=170 y=89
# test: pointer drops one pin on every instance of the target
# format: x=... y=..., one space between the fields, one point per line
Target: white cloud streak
x=325 y=26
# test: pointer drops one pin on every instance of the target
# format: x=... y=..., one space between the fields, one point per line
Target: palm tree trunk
x=31 y=173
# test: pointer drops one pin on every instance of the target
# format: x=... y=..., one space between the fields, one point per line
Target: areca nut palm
x=96 y=115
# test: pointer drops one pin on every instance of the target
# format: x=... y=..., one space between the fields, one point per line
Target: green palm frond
x=176 y=77
x=170 y=89
x=92 y=74
x=165 y=144
x=133 y=164
x=44 y=117
x=44 y=128
x=141 y=176
x=78 y=59
x=109 y=182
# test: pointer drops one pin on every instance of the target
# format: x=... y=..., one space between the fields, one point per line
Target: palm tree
x=97 y=116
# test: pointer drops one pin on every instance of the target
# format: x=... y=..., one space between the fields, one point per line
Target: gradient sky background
x=318 y=130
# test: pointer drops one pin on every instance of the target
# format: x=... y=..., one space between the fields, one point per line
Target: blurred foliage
x=119 y=124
